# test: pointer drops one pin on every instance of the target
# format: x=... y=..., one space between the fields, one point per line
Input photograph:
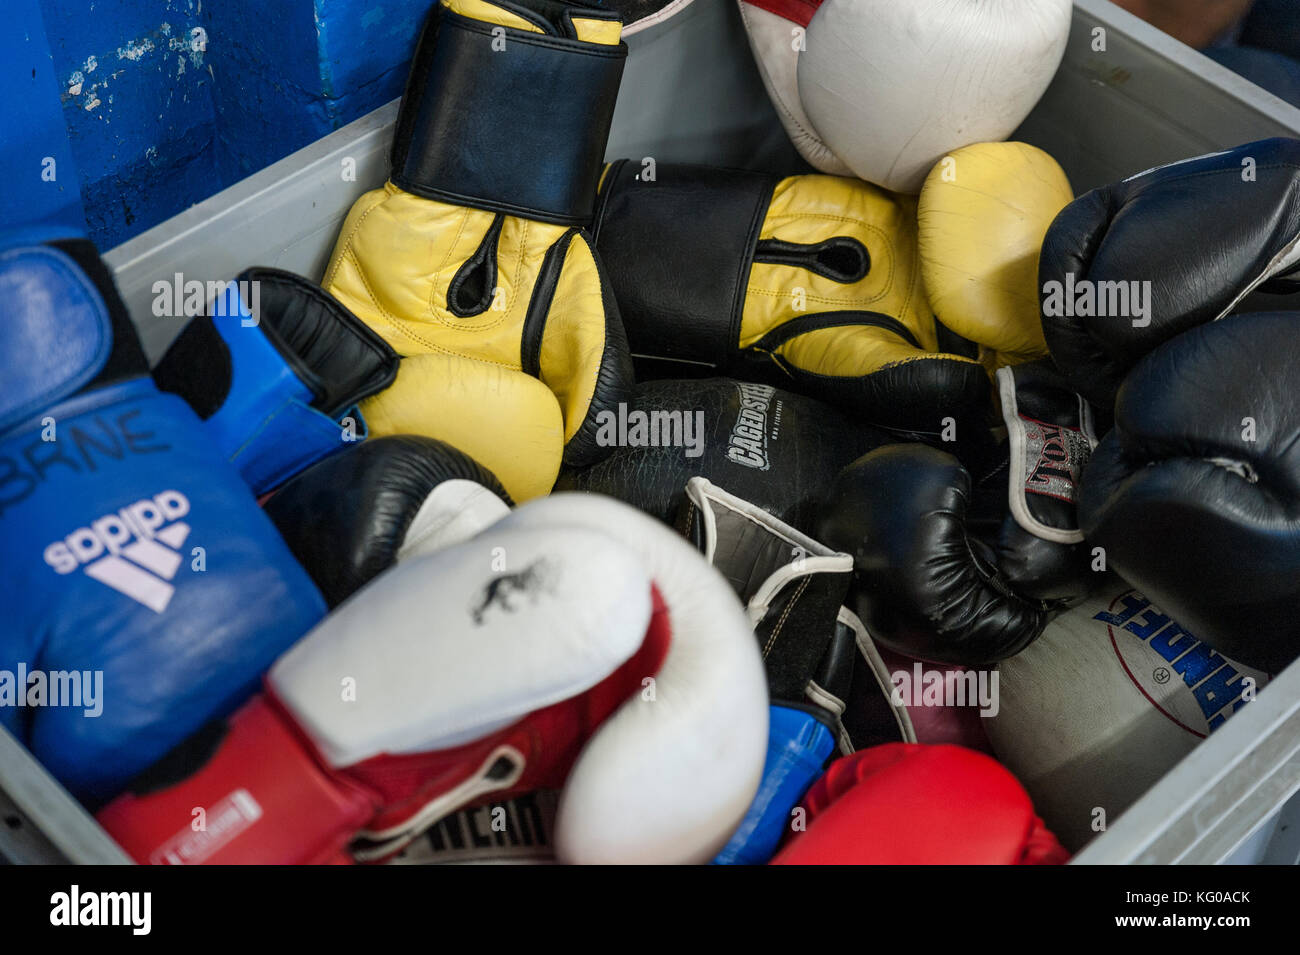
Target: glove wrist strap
x=500 y=119
x=711 y=246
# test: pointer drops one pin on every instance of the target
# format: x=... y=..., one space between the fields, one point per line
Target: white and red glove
x=576 y=643
x=911 y=804
x=883 y=89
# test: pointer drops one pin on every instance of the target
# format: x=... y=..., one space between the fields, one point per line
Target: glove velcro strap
x=678 y=250
x=65 y=328
x=501 y=119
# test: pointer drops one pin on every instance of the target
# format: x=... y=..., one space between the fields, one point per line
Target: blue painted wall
x=41 y=190
x=168 y=101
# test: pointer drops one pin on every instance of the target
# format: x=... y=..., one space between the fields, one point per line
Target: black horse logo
x=530 y=581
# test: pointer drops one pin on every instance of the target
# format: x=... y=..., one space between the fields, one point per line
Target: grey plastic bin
x=1126 y=98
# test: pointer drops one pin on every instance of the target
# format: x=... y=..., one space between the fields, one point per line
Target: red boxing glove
x=911 y=804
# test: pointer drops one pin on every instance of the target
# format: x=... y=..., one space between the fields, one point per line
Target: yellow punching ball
x=983 y=213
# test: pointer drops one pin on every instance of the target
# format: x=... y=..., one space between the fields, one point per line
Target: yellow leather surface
x=814 y=208
x=574 y=339
x=394 y=262
x=462 y=379
x=508 y=422
x=490 y=13
x=982 y=218
x=603 y=32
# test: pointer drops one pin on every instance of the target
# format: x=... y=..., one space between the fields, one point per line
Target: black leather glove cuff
x=678 y=247
x=501 y=119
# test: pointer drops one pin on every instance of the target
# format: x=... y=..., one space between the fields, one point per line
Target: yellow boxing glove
x=982 y=216
x=471 y=261
x=809 y=282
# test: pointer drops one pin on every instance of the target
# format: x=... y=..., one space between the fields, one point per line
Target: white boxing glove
x=883 y=89
x=576 y=644
x=671 y=774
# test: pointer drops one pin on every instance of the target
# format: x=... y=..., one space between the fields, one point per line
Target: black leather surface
x=678 y=252
x=812 y=660
x=913 y=400
x=1203 y=520
x=922 y=584
x=795 y=634
x=198 y=367
x=1200 y=232
x=333 y=351
x=615 y=384
x=346 y=517
x=519 y=129
x=1043 y=570
x=805 y=443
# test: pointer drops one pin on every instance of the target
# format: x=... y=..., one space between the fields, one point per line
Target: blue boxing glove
x=276 y=371
x=148 y=593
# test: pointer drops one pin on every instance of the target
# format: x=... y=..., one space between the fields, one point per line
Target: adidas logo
x=130 y=550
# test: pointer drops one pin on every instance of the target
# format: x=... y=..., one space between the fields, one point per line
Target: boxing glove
x=829 y=688
x=683 y=772
x=560 y=657
x=883 y=90
x=808 y=282
x=148 y=592
x=1191 y=495
x=1111 y=697
x=276 y=372
x=353 y=515
x=981 y=217
x=777 y=450
x=1134 y=264
x=470 y=262
x=950 y=571
x=1051 y=434
x=902 y=804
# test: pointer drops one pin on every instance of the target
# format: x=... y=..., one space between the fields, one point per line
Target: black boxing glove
x=1195 y=493
x=957 y=571
x=830 y=690
x=353 y=515
x=1169 y=249
x=777 y=450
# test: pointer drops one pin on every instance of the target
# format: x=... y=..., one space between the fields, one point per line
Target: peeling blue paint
x=168 y=102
